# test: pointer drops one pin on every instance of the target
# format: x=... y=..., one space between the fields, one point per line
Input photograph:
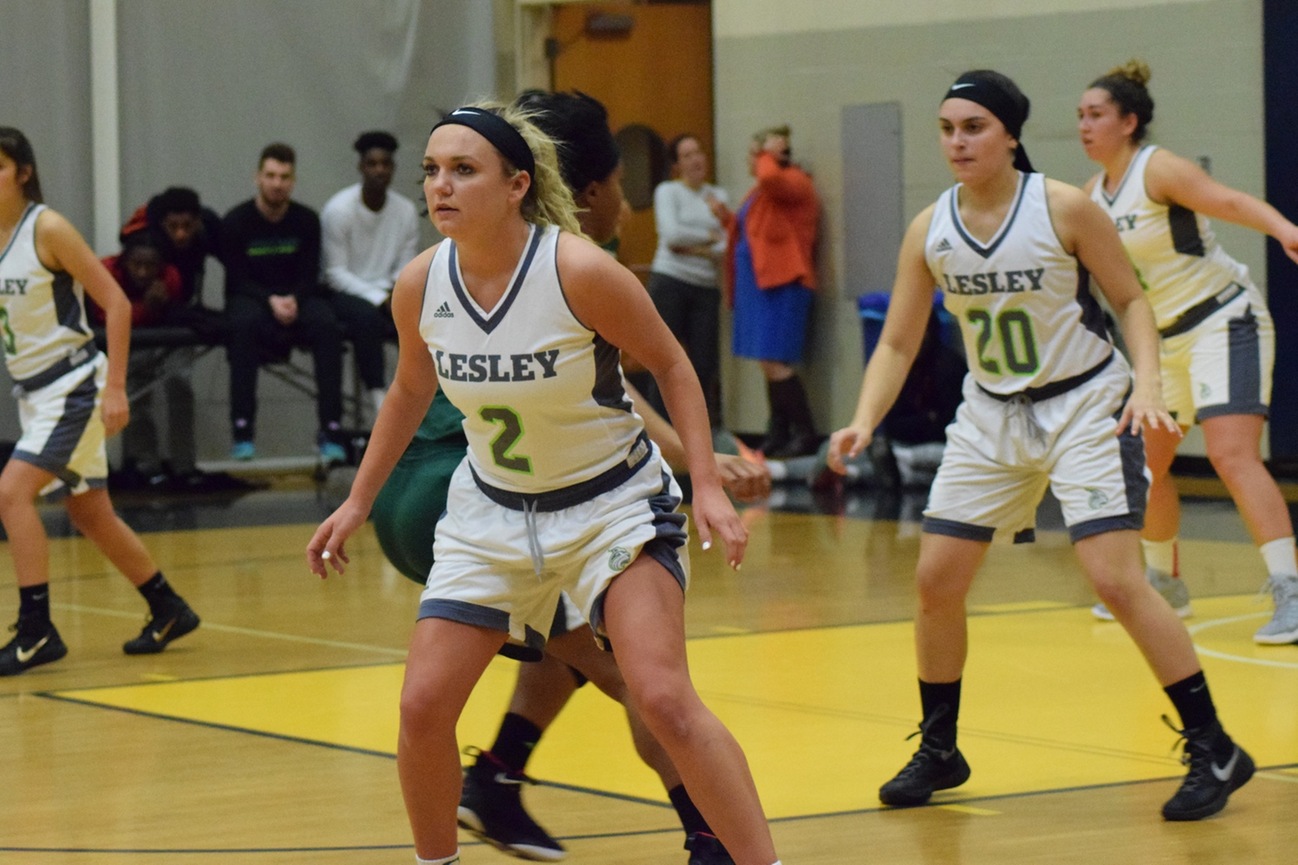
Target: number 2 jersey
x=1024 y=304
x=42 y=313
x=542 y=396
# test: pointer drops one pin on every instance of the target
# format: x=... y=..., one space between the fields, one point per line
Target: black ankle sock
x=159 y=593
x=34 y=610
x=1193 y=701
x=691 y=819
x=940 y=702
x=515 y=741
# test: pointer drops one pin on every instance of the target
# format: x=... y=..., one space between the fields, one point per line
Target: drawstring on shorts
x=1022 y=414
x=533 y=538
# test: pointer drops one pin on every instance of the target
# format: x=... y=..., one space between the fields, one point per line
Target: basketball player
x=1218 y=338
x=70 y=398
x=561 y=490
x=1011 y=250
x=414 y=496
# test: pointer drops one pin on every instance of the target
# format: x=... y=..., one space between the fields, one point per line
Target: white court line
x=248 y=632
x=1226 y=656
x=1277 y=776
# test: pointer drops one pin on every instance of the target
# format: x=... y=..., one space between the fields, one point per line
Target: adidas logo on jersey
x=444 y=311
x=943 y=245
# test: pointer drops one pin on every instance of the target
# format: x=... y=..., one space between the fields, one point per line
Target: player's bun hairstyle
x=1126 y=86
x=16 y=146
x=375 y=138
x=578 y=126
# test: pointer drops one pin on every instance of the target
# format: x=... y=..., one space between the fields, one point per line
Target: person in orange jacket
x=772 y=276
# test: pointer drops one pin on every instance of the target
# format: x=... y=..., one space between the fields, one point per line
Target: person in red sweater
x=153 y=288
x=772 y=277
x=150 y=283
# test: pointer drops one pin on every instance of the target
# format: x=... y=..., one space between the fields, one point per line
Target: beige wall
x=803 y=62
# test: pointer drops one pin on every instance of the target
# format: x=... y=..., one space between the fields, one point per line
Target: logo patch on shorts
x=1097 y=499
x=1205 y=390
x=618 y=559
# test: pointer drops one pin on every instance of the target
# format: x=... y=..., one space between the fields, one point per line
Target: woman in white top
x=1045 y=394
x=1218 y=341
x=684 y=279
x=520 y=318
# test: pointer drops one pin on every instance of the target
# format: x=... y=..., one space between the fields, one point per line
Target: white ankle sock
x=1161 y=556
x=447 y=860
x=1280 y=557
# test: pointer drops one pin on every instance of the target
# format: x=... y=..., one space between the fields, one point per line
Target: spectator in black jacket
x=274 y=301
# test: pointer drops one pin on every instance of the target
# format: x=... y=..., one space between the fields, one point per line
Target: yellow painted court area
x=1052 y=700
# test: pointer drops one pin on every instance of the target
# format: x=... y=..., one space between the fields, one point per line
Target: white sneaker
x=1283 y=627
x=1171 y=588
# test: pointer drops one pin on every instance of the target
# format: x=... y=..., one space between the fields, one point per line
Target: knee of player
x=667 y=709
x=424 y=710
x=1117 y=590
x=1231 y=456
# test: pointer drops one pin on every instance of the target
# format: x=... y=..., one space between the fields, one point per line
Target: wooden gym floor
x=268 y=735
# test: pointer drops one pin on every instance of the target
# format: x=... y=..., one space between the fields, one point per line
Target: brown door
x=651 y=66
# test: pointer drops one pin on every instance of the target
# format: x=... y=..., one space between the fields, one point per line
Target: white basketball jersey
x=42 y=314
x=1174 y=250
x=1025 y=306
x=541 y=393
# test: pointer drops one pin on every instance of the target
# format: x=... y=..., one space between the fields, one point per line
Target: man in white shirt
x=369 y=233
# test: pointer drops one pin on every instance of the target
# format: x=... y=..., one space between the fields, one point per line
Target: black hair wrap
x=1010 y=106
x=496 y=129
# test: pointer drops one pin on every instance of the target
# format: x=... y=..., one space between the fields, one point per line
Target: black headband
x=999 y=102
x=497 y=130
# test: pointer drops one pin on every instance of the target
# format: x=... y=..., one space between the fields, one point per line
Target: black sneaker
x=491 y=808
x=931 y=769
x=1210 y=780
x=15 y=657
x=161 y=630
x=707 y=849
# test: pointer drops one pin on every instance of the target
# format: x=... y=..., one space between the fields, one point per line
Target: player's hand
x=746 y=481
x=326 y=546
x=715 y=518
x=1146 y=411
x=115 y=409
x=847 y=442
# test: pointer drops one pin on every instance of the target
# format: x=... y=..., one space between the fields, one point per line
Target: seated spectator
x=908 y=446
x=153 y=288
x=274 y=301
x=369 y=233
x=186 y=231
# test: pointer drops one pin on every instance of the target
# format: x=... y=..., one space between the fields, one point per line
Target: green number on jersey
x=511 y=430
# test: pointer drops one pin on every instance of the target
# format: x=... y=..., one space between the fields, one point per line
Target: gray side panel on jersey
x=67 y=306
x=1184 y=226
x=607 y=389
x=1092 y=312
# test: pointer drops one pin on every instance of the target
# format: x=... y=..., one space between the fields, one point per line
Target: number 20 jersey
x=1026 y=312
x=542 y=396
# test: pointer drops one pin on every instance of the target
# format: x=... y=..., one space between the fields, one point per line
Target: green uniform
x=406 y=511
